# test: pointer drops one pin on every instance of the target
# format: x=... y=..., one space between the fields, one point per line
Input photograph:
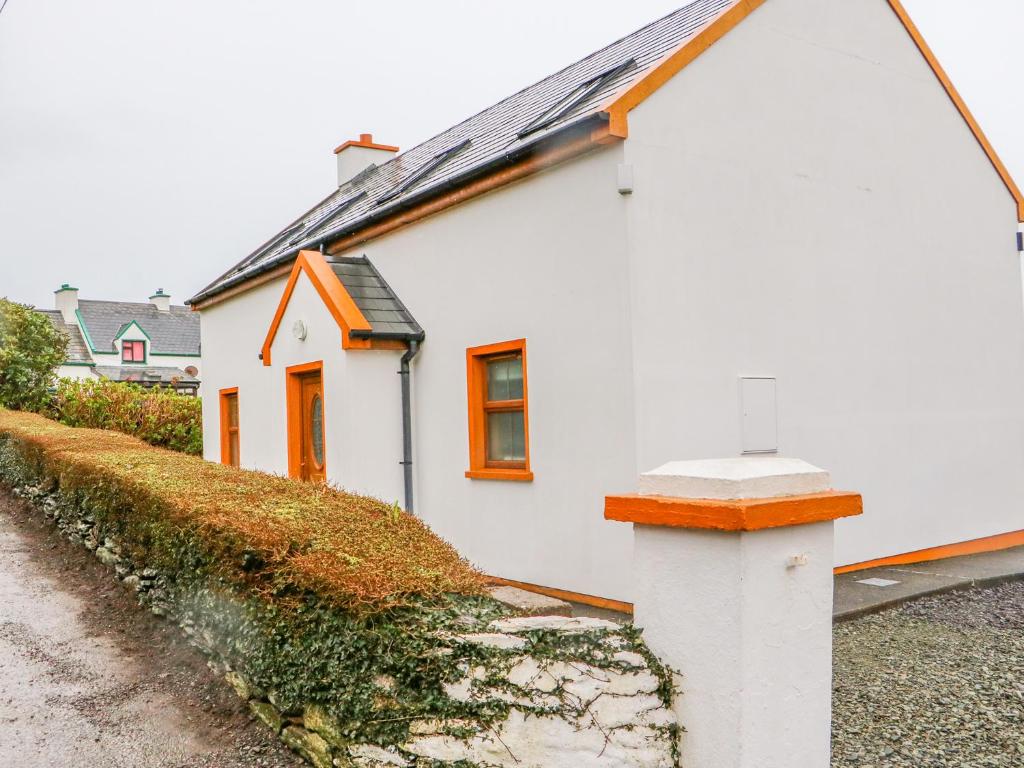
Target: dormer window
x=133 y=351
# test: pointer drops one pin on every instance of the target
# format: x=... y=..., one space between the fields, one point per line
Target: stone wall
x=561 y=690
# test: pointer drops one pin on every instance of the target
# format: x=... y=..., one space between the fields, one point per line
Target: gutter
x=404 y=372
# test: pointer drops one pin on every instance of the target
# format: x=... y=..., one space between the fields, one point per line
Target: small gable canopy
x=368 y=312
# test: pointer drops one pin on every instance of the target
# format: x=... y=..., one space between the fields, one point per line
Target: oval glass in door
x=316 y=432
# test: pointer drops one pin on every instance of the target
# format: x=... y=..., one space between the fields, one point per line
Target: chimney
x=161 y=300
x=65 y=299
x=358 y=155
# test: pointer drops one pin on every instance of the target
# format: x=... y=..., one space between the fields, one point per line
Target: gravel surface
x=937 y=682
x=88 y=678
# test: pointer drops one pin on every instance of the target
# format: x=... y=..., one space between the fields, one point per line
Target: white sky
x=148 y=144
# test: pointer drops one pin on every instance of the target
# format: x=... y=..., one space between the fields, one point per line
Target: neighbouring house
x=753 y=226
x=151 y=344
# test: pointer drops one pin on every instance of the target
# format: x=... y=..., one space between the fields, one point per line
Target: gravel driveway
x=936 y=682
x=89 y=679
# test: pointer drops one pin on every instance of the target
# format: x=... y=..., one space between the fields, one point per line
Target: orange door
x=313 y=462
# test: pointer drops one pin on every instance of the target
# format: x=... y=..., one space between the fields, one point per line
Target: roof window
x=423 y=171
x=312 y=225
x=574 y=98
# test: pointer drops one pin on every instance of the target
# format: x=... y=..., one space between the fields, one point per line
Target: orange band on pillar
x=732 y=515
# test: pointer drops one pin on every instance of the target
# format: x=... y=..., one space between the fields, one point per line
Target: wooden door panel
x=314 y=460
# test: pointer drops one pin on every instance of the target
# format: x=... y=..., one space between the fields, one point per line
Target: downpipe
x=414 y=348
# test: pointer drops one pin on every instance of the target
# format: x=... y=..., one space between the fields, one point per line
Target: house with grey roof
x=151 y=343
x=750 y=227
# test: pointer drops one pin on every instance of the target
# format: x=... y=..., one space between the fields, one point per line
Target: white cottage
x=152 y=343
x=750 y=227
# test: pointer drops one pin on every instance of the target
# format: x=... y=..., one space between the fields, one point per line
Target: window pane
x=505 y=379
x=515 y=378
x=233 y=411
x=506 y=436
x=317 y=418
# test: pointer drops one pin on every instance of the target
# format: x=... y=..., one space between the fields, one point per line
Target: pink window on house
x=133 y=351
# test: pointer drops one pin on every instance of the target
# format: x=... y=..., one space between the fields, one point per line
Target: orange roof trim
x=365 y=140
x=341 y=306
x=961 y=105
x=675 y=61
x=739 y=515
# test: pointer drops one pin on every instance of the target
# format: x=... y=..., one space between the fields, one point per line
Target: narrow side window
x=229 y=445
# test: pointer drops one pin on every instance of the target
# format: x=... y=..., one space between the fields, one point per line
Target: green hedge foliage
x=31 y=348
x=160 y=417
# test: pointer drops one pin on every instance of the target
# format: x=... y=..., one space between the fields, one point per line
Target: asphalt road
x=89 y=679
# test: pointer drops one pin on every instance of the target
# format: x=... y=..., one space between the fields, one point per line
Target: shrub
x=160 y=417
x=31 y=349
x=259 y=532
x=317 y=592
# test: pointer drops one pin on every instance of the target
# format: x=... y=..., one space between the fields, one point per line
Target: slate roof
x=379 y=304
x=494 y=137
x=175 y=332
x=145 y=374
x=77 y=352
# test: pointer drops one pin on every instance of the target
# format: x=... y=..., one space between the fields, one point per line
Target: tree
x=31 y=349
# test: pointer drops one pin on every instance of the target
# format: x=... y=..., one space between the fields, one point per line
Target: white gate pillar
x=733 y=588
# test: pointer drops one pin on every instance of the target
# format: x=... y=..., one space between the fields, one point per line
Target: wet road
x=89 y=679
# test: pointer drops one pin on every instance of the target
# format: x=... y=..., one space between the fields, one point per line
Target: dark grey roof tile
x=175 y=332
x=493 y=134
x=380 y=305
x=77 y=351
x=145 y=374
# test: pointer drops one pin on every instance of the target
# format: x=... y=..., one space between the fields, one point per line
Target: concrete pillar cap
x=749 y=477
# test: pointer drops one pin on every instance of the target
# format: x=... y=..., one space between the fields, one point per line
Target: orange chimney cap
x=365 y=140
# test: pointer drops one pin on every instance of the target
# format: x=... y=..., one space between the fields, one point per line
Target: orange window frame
x=480 y=406
x=293 y=404
x=226 y=430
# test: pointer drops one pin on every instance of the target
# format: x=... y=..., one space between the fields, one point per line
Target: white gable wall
x=362 y=415
x=810 y=205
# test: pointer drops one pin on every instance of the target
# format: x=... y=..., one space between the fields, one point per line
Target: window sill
x=516 y=475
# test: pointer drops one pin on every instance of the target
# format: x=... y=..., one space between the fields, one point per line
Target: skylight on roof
x=423 y=171
x=573 y=99
x=312 y=225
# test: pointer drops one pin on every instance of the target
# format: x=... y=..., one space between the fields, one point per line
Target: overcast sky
x=148 y=143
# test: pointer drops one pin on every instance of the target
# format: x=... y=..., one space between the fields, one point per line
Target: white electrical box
x=758 y=414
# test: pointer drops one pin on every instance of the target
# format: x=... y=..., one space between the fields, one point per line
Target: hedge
x=263 y=533
x=343 y=621
x=158 y=416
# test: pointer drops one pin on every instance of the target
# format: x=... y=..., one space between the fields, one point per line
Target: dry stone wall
x=548 y=691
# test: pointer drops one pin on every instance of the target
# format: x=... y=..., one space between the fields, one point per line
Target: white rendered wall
x=75 y=372
x=362 y=405
x=809 y=205
x=542 y=260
